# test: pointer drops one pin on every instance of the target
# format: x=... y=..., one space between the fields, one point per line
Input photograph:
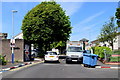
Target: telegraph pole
x=12 y=40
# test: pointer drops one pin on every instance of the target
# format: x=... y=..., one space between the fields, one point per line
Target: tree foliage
x=100 y=51
x=108 y=32
x=118 y=16
x=46 y=24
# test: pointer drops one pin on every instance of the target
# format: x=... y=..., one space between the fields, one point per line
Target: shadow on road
x=74 y=63
x=53 y=62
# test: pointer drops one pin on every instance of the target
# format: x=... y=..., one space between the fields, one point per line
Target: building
x=116 y=44
x=18 y=49
x=22 y=48
x=3 y=35
x=19 y=36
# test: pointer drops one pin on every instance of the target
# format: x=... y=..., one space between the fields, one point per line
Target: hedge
x=114 y=59
x=100 y=51
x=116 y=52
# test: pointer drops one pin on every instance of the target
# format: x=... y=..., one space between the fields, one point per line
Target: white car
x=51 y=56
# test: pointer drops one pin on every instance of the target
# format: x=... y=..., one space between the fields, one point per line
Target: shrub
x=116 y=52
x=100 y=51
x=114 y=59
x=2 y=60
x=41 y=55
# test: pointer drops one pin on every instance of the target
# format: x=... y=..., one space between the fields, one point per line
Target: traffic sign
x=12 y=43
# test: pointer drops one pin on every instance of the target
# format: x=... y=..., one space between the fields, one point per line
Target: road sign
x=12 y=43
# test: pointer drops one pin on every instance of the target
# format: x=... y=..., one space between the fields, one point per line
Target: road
x=61 y=70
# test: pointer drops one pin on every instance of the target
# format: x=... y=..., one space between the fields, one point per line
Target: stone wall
x=18 y=50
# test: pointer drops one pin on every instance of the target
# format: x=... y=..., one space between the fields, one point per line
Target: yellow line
x=25 y=66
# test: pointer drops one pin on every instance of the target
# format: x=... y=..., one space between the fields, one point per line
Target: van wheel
x=85 y=65
x=68 y=62
x=45 y=61
x=89 y=66
x=58 y=61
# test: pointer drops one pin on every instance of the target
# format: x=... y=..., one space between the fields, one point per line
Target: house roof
x=84 y=39
x=18 y=34
x=95 y=41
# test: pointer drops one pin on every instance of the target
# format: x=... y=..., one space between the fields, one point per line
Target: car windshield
x=74 y=49
x=51 y=53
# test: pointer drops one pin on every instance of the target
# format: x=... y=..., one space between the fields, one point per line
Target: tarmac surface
x=60 y=70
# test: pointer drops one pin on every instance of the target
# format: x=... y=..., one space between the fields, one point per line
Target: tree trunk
x=111 y=44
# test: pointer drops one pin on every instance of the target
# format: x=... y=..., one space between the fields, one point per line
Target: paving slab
x=107 y=65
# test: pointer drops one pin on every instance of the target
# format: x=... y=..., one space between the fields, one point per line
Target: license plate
x=51 y=56
x=74 y=60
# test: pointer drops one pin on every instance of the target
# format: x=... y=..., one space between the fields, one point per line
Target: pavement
x=101 y=65
x=60 y=70
x=10 y=66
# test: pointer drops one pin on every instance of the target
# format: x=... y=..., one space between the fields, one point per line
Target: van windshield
x=74 y=49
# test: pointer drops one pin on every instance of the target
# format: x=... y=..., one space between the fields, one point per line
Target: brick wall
x=18 y=51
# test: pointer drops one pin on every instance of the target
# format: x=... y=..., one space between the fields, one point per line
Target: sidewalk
x=101 y=65
x=20 y=64
x=10 y=65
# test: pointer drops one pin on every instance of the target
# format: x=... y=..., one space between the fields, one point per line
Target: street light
x=13 y=11
x=84 y=40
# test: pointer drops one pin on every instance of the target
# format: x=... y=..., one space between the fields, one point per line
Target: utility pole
x=105 y=56
x=12 y=40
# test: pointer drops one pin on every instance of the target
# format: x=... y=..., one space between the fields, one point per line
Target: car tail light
x=57 y=56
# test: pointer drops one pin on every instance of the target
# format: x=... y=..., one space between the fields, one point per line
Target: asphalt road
x=60 y=70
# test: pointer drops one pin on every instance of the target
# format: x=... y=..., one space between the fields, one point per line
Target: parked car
x=51 y=56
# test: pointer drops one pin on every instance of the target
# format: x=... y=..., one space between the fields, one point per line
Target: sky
x=87 y=18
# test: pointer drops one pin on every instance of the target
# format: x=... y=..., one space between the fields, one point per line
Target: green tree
x=118 y=16
x=108 y=32
x=45 y=24
x=61 y=45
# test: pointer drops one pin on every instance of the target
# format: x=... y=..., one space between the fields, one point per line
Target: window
x=52 y=53
x=74 y=49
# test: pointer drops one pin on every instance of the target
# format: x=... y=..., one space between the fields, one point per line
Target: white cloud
x=81 y=25
x=89 y=18
x=83 y=29
x=71 y=7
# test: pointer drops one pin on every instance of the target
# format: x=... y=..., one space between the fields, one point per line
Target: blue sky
x=86 y=18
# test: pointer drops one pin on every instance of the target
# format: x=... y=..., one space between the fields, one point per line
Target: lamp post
x=105 y=56
x=84 y=40
x=13 y=11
